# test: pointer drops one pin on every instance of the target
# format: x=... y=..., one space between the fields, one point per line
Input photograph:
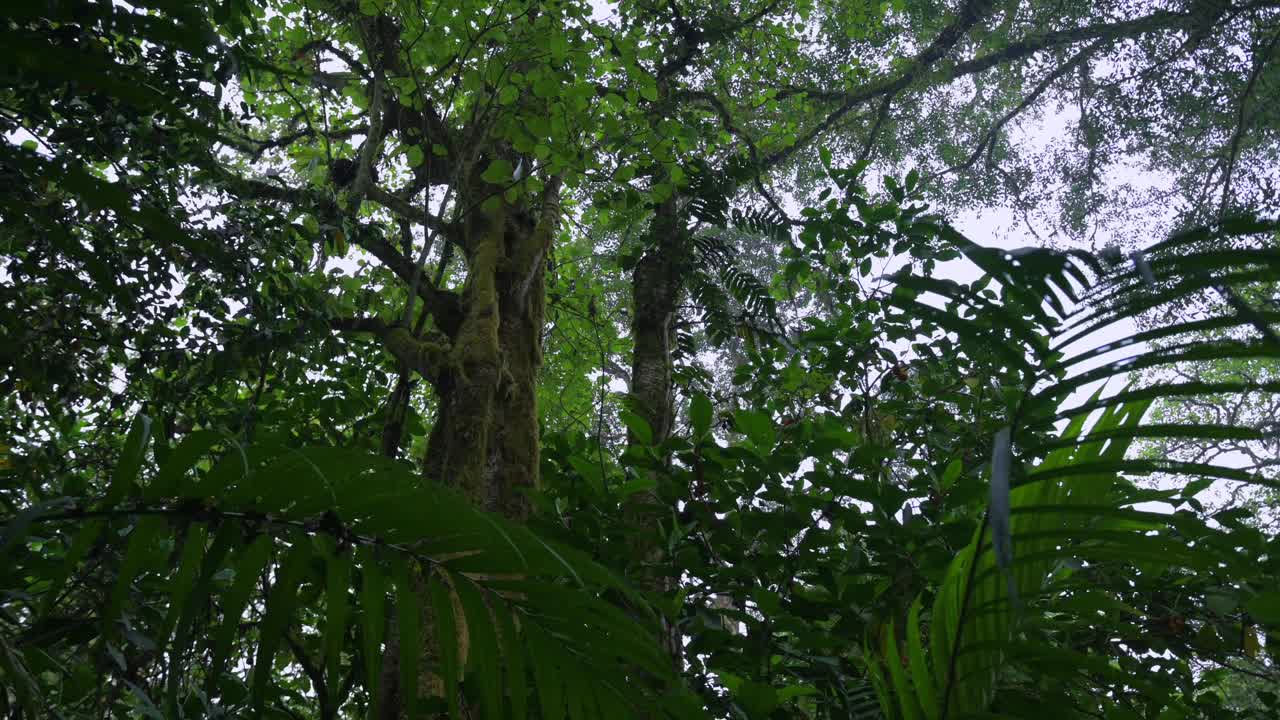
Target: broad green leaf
x=440 y=594
x=281 y=604
x=920 y=674
x=80 y=547
x=638 y=426
x=18 y=679
x=483 y=650
x=373 y=603
x=1265 y=607
x=544 y=658
x=193 y=550
x=513 y=655
x=136 y=556
x=409 y=627
x=757 y=426
x=131 y=457
x=906 y=696
x=414 y=156
x=248 y=569
x=169 y=480
x=337 y=609
x=224 y=541
x=499 y=172
x=700 y=414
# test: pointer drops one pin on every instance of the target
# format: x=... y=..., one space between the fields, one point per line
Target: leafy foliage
x=667 y=450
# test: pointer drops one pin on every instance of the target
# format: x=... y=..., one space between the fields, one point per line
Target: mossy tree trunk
x=485 y=440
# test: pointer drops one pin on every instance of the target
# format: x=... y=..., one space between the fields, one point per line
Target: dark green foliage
x=224 y=572
x=890 y=487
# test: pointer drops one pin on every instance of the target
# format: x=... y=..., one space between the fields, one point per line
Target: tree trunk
x=655 y=291
x=656 y=287
x=485 y=440
x=484 y=370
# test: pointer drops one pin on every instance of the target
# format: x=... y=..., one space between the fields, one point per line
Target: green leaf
x=337 y=607
x=700 y=414
x=248 y=568
x=757 y=426
x=80 y=547
x=635 y=485
x=638 y=426
x=193 y=547
x=920 y=674
x=414 y=155
x=169 y=480
x=499 y=172
x=546 y=672
x=483 y=653
x=758 y=699
x=901 y=685
x=281 y=604
x=135 y=558
x=409 y=626
x=373 y=603
x=1265 y=607
x=440 y=595
x=227 y=537
x=950 y=475
x=18 y=679
x=16 y=530
x=513 y=654
x=130 y=464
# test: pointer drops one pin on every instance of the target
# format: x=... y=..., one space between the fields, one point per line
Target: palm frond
x=1061 y=499
x=365 y=540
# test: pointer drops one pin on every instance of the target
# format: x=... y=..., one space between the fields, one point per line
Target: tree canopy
x=389 y=359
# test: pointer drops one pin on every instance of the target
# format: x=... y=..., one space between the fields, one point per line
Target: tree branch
x=989 y=137
x=1260 y=62
x=970 y=14
x=428 y=357
x=726 y=121
x=407 y=210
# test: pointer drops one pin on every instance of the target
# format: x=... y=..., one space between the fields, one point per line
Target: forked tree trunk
x=485 y=440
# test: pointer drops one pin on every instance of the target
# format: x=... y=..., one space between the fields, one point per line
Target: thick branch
x=427 y=357
x=692 y=39
x=256 y=148
x=1110 y=31
x=726 y=121
x=444 y=306
x=407 y=210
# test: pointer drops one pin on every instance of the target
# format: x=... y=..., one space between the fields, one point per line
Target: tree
x=196 y=186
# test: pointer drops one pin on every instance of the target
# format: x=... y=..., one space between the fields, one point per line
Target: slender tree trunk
x=656 y=288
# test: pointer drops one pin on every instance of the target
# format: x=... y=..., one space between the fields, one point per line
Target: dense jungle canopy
x=559 y=359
